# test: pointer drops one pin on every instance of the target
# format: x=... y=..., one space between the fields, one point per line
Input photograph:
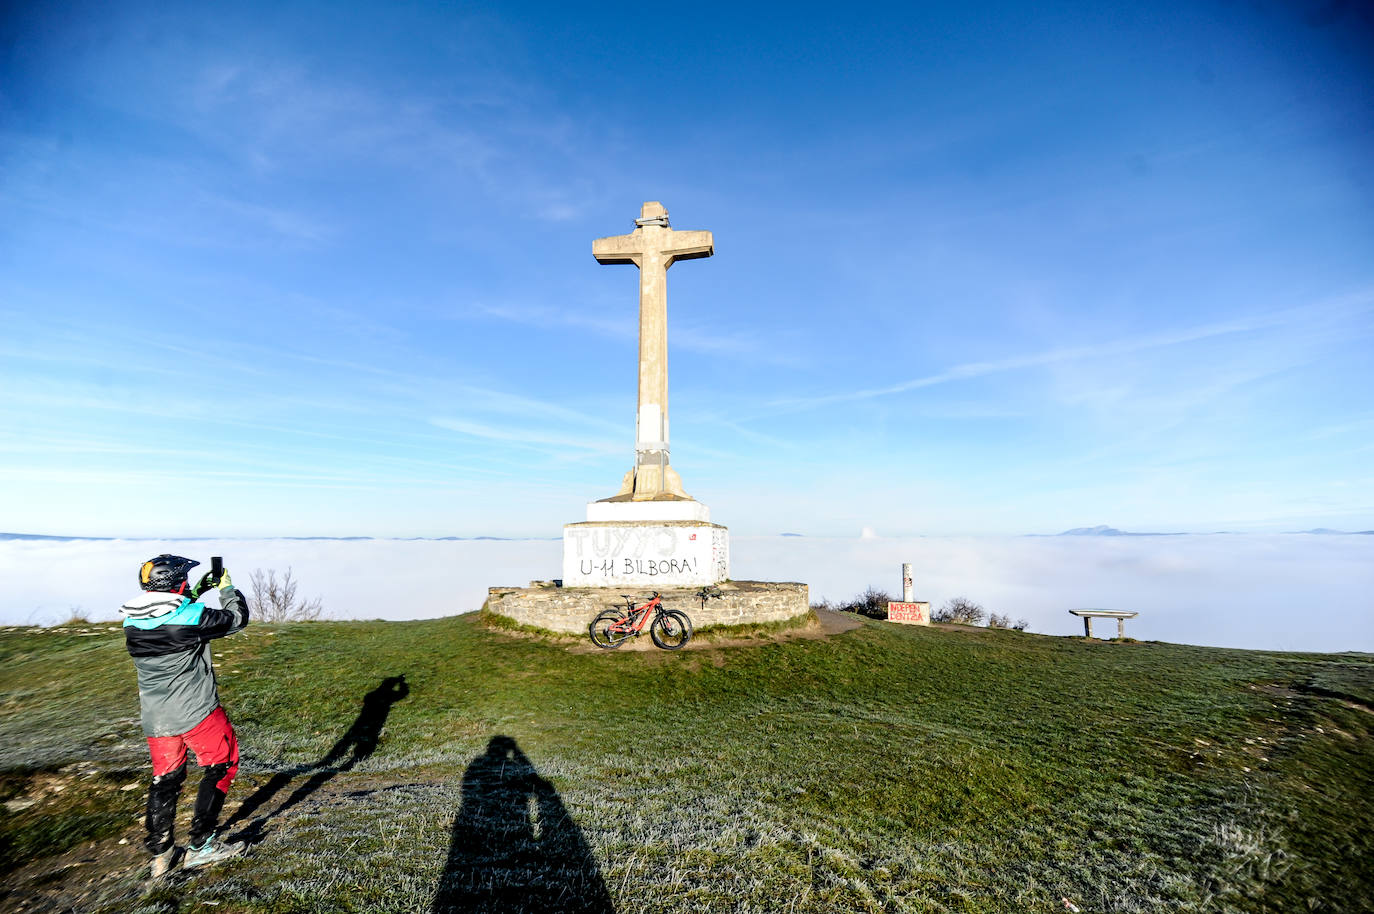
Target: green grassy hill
x=886 y=768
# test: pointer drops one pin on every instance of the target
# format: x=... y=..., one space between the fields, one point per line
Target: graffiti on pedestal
x=641 y=554
x=648 y=567
x=720 y=556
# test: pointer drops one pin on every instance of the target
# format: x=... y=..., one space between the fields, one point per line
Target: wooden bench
x=1088 y=615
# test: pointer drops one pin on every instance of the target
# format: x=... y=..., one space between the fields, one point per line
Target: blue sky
x=298 y=269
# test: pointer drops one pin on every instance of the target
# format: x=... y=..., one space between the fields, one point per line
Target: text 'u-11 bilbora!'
x=650 y=567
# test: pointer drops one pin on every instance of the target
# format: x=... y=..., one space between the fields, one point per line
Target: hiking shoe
x=164 y=862
x=212 y=851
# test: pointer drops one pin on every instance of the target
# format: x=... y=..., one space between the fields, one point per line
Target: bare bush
x=961 y=610
x=997 y=620
x=275 y=600
x=872 y=603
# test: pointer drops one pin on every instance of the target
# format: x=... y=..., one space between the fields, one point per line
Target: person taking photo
x=168 y=633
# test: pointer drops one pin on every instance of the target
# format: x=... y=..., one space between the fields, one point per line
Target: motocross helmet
x=165 y=573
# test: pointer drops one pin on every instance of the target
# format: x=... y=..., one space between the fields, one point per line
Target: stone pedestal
x=571 y=609
x=676 y=509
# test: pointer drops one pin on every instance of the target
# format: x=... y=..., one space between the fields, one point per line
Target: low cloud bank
x=1277 y=592
x=45 y=582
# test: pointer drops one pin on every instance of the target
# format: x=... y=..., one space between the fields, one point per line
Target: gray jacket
x=169 y=635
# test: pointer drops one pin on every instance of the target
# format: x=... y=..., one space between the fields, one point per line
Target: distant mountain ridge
x=40 y=536
x=1104 y=530
x=1327 y=531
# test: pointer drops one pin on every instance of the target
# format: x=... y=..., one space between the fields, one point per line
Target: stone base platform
x=571 y=609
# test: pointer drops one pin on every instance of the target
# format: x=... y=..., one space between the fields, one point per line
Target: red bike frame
x=636 y=625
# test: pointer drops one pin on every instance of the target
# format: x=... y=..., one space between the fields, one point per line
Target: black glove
x=206 y=582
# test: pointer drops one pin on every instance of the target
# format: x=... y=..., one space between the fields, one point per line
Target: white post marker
x=910 y=611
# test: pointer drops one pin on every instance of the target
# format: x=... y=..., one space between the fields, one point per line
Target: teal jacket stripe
x=187 y=613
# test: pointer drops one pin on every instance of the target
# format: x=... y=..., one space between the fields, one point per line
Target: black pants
x=162 y=807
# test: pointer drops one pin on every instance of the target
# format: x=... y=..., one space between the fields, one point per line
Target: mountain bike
x=671 y=629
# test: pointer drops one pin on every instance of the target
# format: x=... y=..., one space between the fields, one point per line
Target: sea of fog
x=1281 y=591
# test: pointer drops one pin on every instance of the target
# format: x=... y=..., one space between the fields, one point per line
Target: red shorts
x=213 y=742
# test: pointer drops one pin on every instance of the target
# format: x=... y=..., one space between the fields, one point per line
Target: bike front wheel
x=671 y=631
x=609 y=630
x=685 y=619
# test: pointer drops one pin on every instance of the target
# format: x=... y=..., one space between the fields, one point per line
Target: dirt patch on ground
x=833 y=623
x=87 y=875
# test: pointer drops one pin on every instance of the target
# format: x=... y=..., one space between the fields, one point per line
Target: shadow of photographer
x=515 y=847
x=353 y=747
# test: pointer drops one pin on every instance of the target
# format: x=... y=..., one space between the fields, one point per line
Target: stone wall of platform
x=571 y=609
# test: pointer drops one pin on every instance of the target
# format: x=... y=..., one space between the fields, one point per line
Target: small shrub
x=274 y=600
x=997 y=620
x=961 y=610
x=871 y=603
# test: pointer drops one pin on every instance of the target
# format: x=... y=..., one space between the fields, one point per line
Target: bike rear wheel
x=607 y=630
x=671 y=630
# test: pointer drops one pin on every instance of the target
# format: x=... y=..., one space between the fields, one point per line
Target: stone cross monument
x=651 y=533
x=653 y=247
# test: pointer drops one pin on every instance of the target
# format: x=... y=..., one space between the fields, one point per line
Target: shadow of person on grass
x=515 y=848
x=353 y=747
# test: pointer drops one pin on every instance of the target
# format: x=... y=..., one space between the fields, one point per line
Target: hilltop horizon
x=1222 y=590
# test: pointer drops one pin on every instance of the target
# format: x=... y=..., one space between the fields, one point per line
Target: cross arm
x=689 y=246
x=618 y=249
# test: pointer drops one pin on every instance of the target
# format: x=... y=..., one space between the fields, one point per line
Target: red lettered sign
x=910 y=613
